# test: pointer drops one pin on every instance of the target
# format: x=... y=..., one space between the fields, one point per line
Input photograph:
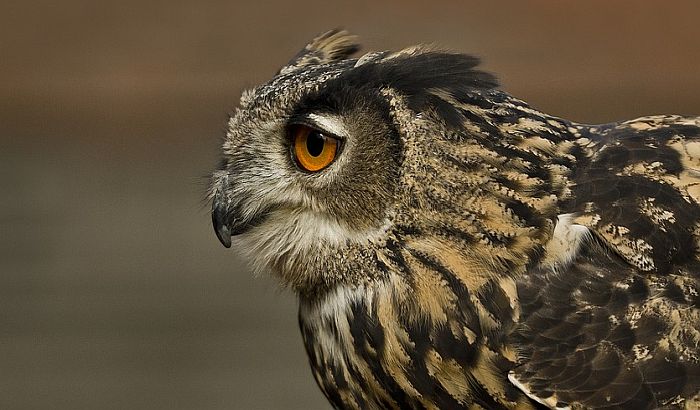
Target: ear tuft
x=330 y=46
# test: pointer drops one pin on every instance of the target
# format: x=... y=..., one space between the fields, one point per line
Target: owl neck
x=372 y=344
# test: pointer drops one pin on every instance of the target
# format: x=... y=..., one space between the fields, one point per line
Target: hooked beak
x=220 y=219
x=227 y=220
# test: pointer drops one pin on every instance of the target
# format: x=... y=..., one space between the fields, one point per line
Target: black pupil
x=314 y=143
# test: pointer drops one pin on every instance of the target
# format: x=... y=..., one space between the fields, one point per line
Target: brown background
x=114 y=293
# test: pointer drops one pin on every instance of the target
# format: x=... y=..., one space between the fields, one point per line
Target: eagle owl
x=453 y=247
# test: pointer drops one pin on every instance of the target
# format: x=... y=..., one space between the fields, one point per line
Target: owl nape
x=453 y=247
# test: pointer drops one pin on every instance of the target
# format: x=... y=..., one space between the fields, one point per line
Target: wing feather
x=619 y=327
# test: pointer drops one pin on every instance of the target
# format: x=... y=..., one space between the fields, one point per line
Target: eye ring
x=312 y=149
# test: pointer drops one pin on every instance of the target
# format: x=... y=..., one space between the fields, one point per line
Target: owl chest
x=364 y=354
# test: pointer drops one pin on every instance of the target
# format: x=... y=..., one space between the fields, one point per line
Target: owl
x=453 y=247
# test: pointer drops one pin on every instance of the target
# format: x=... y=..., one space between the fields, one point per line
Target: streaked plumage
x=465 y=250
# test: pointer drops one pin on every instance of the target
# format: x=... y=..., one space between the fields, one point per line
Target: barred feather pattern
x=474 y=252
x=471 y=291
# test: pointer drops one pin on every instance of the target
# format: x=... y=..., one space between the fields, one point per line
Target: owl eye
x=312 y=149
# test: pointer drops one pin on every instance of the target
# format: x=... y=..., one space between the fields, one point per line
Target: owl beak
x=220 y=219
x=227 y=219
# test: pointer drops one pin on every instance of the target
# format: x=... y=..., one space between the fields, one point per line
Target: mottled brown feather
x=466 y=250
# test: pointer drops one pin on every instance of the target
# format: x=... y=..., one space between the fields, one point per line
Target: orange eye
x=312 y=149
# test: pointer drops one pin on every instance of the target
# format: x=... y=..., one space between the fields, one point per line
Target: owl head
x=327 y=165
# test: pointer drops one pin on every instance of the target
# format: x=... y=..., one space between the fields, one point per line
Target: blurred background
x=114 y=292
